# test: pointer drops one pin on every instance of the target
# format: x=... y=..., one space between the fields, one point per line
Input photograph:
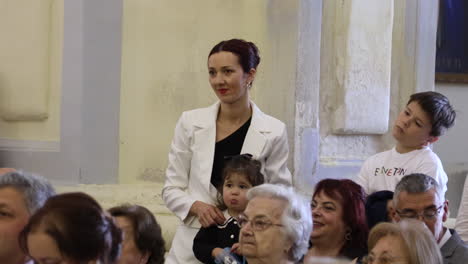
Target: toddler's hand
x=236 y=249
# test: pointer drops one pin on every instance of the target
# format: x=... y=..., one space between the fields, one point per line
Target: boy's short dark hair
x=438 y=107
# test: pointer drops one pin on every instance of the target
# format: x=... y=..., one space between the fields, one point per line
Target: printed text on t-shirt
x=389 y=171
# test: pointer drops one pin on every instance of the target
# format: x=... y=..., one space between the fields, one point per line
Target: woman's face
x=263 y=237
x=227 y=78
x=130 y=254
x=327 y=215
x=389 y=249
x=44 y=250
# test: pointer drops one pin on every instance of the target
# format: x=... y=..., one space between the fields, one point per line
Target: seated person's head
x=240 y=173
x=71 y=228
x=379 y=207
x=426 y=116
x=275 y=226
x=408 y=242
x=339 y=215
x=21 y=195
x=419 y=196
x=143 y=242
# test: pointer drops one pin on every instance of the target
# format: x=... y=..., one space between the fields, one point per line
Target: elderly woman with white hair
x=275 y=226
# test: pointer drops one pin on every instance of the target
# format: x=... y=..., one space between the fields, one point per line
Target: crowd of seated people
x=239 y=207
x=39 y=226
x=277 y=226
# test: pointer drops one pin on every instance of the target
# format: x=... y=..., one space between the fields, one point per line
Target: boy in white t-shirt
x=426 y=117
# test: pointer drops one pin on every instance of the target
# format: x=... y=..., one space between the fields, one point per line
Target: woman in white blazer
x=196 y=151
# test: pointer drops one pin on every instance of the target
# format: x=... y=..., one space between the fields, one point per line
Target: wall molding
x=7 y=144
x=334 y=162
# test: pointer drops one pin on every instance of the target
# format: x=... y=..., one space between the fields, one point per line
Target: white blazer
x=192 y=152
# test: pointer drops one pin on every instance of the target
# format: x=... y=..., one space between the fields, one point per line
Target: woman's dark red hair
x=352 y=198
x=246 y=51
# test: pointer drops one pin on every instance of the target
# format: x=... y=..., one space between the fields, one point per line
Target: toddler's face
x=235 y=188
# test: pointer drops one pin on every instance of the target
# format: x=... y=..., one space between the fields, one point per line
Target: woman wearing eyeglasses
x=408 y=242
x=340 y=227
x=203 y=137
x=275 y=226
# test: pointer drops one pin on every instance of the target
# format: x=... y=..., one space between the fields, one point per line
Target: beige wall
x=337 y=50
x=30 y=70
x=164 y=53
x=163 y=72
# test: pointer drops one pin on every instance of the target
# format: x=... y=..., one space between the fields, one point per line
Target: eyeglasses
x=428 y=214
x=245 y=156
x=257 y=224
x=383 y=260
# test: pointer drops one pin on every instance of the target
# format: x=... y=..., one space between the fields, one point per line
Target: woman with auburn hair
x=408 y=242
x=339 y=220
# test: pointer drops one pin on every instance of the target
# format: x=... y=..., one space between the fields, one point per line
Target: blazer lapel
x=204 y=143
x=205 y=140
x=255 y=140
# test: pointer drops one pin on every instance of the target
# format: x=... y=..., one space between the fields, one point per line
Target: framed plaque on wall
x=452 y=42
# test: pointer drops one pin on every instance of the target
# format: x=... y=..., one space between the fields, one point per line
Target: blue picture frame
x=452 y=41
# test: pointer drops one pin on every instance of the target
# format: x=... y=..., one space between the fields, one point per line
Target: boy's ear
x=432 y=139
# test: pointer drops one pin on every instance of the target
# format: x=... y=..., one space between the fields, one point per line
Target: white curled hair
x=297 y=216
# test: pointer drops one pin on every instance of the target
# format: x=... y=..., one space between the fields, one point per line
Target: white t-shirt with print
x=384 y=170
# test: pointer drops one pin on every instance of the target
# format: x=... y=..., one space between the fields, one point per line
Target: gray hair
x=417 y=183
x=297 y=217
x=417 y=238
x=35 y=189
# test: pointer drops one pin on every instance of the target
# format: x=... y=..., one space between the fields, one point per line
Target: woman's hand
x=207 y=214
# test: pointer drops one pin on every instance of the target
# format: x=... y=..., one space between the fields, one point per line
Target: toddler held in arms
x=240 y=173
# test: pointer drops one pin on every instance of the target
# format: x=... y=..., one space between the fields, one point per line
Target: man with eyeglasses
x=419 y=196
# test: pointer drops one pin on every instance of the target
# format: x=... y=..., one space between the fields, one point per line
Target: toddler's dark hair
x=242 y=164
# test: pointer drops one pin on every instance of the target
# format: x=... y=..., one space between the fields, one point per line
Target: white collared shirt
x=445 y=238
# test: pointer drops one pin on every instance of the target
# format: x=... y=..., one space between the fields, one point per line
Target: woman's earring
x=348 y=235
